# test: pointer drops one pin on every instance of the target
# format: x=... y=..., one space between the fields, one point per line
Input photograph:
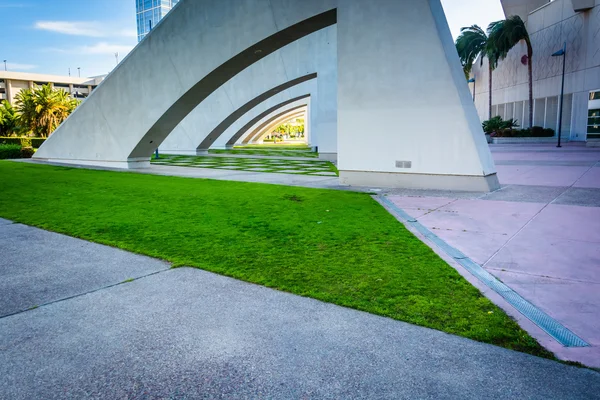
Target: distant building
x=149 y=12
x=550 y=24
x=12 y=83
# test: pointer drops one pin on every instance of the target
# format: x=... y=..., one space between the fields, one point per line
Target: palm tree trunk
x=490 y=89
x=530 y=71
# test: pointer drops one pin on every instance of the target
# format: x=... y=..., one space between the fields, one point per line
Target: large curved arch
x=273 y=122
x=396 y=60
x=260 y=116
x=284 y=119
x=314 y=53
x=227 y=122
x=263 y=126
x=235 y=34
x=309 y=87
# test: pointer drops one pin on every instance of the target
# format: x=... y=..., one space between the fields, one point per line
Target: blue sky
x=51 y=36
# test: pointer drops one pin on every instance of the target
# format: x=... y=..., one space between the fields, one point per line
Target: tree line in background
x=37 y=112
x=500 y=38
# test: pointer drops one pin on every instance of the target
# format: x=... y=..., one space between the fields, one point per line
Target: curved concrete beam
x=300 y=90
x=275 y=119
x=308 y=87
x=261 y=116
x=285 y=119
x=268 y=128
x=227 y=122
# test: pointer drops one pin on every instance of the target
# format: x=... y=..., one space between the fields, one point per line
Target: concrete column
x=325 y=111
x=405 y=116
x=71 y=89
x=9 y=93
x=30 y=84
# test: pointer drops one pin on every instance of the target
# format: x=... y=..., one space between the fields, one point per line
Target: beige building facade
x=11 y=83
x=550 y=25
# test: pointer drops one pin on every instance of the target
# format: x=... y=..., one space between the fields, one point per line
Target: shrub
x=23 y=141
x=492 y=125
x=536 y=131
x=37 y=142
x=8 y=151
x=27 y=152
x=498 y=125
x=548 y=132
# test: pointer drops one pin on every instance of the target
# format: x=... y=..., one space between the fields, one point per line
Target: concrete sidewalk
x=187 y=333
x=539 y=234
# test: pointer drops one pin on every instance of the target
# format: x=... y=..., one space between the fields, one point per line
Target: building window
x=595 y=95
x=539 y=112
x=567 y=111
x=518 y=114
x=593 y=125
x=551 y=112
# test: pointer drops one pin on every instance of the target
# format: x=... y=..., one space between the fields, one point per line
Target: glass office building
x=149 y=12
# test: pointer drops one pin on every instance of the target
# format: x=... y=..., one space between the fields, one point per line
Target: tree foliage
x=8 y=119
x=39 y=111
x=503 y=36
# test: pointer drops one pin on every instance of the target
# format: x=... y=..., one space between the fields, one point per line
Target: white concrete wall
x=402 y=97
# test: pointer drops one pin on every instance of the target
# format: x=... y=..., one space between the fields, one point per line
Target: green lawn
x=280 y=165
x=336 y=246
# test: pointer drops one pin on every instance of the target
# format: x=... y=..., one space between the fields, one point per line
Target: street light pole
x=472 y=80
x=561 y=53
x=79 y=71
x=5 y=66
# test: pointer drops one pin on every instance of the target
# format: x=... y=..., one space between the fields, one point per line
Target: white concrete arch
x=262 y=125
x=396 y=61
x=306 y=91
x=274 y=122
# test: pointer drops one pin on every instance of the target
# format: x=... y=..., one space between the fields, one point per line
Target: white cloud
x=101 y=48
x=104 y=48
x=71 y=28
x=19 y=67
x=85 y=28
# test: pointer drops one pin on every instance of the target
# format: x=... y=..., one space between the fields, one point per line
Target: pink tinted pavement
x=546 y=251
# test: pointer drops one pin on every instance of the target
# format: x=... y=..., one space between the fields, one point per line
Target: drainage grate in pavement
x=552 y=327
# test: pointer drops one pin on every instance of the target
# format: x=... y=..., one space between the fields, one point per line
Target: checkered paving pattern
x=280 y=166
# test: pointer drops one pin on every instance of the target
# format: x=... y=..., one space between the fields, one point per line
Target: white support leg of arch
x=405 y=115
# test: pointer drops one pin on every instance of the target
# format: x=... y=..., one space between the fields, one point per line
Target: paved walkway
x=187 y=333
x=539 y=234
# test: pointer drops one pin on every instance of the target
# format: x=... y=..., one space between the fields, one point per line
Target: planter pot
x=488 y=138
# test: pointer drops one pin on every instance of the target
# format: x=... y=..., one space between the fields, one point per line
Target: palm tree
x=472 y=43
x=8 y=119
x=43 y=109
x=25 y=105
x=504 y=35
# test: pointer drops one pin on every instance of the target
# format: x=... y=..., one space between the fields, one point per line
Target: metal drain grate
x=548 y=324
